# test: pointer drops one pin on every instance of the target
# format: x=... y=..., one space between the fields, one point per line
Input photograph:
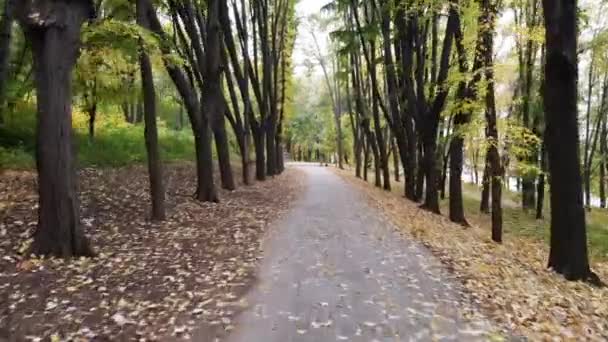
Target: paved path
x=335 y=270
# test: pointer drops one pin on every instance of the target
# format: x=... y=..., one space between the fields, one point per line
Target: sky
x=304 y=42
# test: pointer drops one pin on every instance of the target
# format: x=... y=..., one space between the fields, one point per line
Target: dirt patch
x=510 y=282
x=181 y=278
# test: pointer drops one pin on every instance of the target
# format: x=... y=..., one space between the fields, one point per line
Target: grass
x=519 y=222
x=524 y=224
x=116 y=143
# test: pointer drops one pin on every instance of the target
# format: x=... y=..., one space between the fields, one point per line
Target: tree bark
x=214 y=103
x=540 y=189
x=260 y=162
x=603 y=151
x=199 y=123
x=396 y=158
x=495 y=167
x=54 y=32
x=430 y=121
x=92 y=118
x=403 y=45
x=484 y=205
x=6 y=26
x=155 y=171
x=568 y=255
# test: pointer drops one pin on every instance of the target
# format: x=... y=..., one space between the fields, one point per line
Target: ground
x=150 y=280
x=307 y=256
x=510 y=282
x=335 y=269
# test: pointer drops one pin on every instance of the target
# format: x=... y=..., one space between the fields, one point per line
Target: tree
x=155 y=172
x=488 y=15
x=334 y=88
x=53 y=29
x=214 y=103
x=568 y=255
x=6 y=29
x=199 y=122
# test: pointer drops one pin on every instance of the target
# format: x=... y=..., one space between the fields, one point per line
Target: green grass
x=524 y=224
x=15 y=158
x=116 y=142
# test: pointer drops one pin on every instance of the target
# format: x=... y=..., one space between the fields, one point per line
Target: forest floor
x=177 y=279
x=510 y=282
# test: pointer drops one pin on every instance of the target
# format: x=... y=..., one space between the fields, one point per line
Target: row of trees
x=227 y=60
x=417 y=75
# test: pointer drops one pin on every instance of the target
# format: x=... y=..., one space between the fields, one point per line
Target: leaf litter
x=180 y=278
x=509 y=282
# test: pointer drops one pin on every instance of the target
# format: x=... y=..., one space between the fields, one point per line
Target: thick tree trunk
x=222 y=147
x=260 y=162
x=431 y=195
x=214 y=103
x=271 y=151
x=198 y=122
x=568 y=254
x=54 y=32
x=205 y=190
x=155 y=171
x=403 y=48
x=456 y=162
x=493 y=163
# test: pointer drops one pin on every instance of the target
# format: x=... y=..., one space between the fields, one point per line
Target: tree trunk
x=6 y=26
x=456 y=162
x=528 y=190
x=271 y=151
x=396 y=163
x=365 y=159
x=587 y=187
x=54 y=33
x=420 y=174
x=139 y=113
x=484 y=206
x=199 y=123
x=540 y=190
x=568 y=255
x=92 y=117
x=431 y=195
x=222 y=147
x=205 y=190
x=495 y=168
x=213 y=100
x=260 y=162
x=155 y=171
x=603 y=151
x=403 y=48
x=358 y=149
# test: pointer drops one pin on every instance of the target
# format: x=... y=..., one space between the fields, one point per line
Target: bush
x=16 y=159
x=116 y=142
